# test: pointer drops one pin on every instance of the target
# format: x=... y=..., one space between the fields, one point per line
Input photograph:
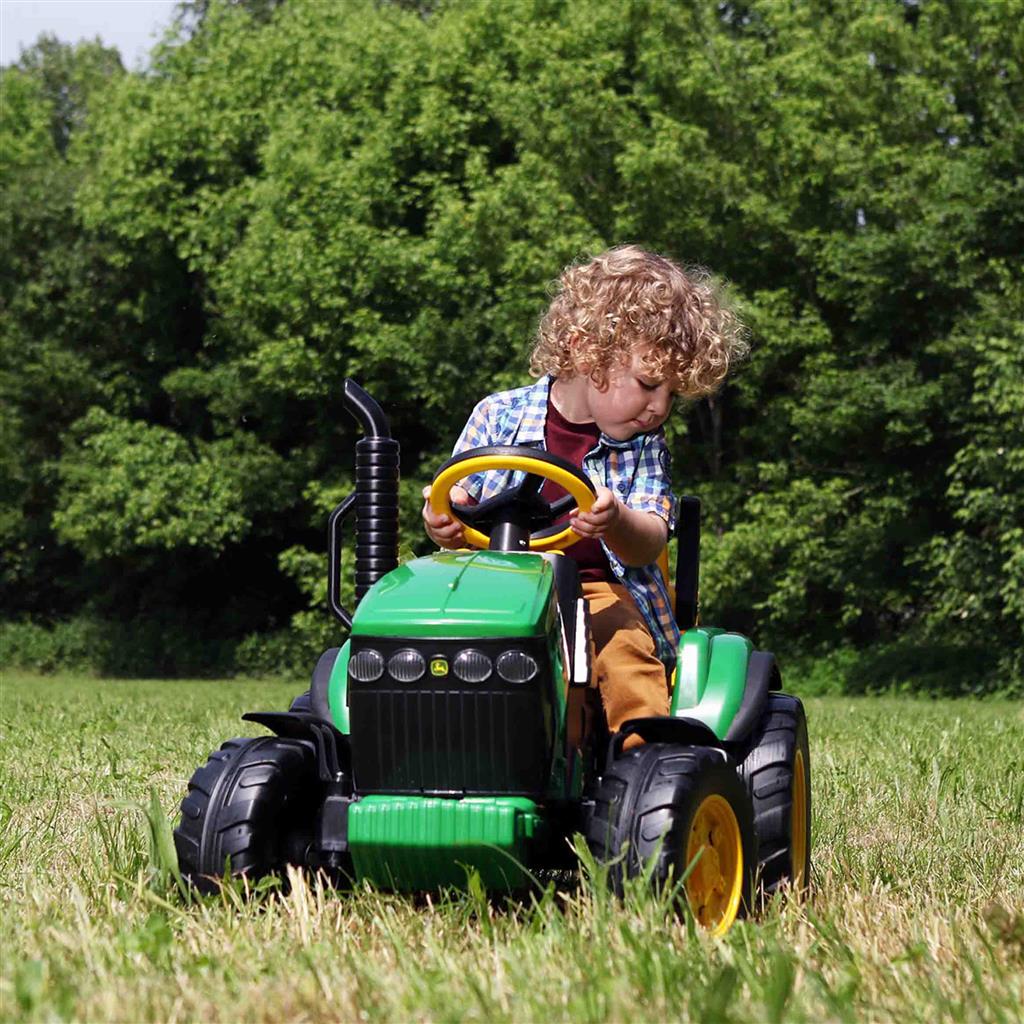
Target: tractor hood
x=459 y=594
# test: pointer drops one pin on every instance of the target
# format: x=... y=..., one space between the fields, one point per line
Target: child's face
x=632 y=402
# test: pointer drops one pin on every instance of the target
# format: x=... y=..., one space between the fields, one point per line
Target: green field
x=917 y=913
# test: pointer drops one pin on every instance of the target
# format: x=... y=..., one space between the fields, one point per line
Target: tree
x=977 y=588
x=68 y=76
x=82 y=318
x=386 y=191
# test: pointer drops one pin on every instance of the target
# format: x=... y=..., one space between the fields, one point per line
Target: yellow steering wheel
x=518 y=518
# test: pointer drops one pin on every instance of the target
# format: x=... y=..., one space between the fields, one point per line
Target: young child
x=624 y=335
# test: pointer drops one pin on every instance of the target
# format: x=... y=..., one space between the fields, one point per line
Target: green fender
x=337 y=690
x=711 y=676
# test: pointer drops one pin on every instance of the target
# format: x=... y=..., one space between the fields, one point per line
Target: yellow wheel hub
x=798 y=823
x=714 y=854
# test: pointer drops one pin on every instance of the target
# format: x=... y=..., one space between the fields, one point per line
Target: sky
x=133 y=26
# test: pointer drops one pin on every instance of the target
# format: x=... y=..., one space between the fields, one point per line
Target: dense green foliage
x=916 y=913
x=297 y=192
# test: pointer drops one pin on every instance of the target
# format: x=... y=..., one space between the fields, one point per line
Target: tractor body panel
x=459 y=594
x=413 y=843
x=443 y=735
x=711 y=677
x=337 y=690
x=434 y=729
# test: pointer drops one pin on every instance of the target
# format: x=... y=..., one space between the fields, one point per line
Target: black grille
x=440 y=735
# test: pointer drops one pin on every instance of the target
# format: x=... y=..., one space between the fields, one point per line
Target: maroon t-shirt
x=571 y=441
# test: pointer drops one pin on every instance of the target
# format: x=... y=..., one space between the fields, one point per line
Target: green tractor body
x=457 y=731
x=422 y=750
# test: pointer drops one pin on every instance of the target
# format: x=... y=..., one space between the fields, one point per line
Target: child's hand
x=603 y=516
x=444 y=531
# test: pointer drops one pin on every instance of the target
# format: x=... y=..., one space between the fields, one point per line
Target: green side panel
x=691 y=669
x=458 y=594
x=691 y=672
x=711 y=676
x=337 y=690
x=557 y=781
x=420 y=842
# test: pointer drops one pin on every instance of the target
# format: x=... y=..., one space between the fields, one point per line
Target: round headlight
x=516 y=667
x=366 y=666
x=406 y=665
x=472 y=666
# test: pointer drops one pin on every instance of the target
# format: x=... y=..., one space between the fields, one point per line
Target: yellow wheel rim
x=798 y=823
x=714 y=854
x=445 y=480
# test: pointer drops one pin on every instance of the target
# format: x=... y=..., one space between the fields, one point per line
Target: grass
x=917 y=914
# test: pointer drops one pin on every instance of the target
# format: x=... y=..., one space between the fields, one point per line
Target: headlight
x=406 y=666
x=472 y=666
x=366 y=666
x=516 y=667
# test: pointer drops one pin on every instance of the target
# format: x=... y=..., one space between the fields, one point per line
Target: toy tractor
x=457 y=728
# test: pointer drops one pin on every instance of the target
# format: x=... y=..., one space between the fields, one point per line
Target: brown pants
x=627 y=670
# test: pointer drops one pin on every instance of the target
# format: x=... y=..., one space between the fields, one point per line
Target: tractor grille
x=439 y=735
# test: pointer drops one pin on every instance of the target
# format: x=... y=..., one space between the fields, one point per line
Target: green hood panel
x=459 y=594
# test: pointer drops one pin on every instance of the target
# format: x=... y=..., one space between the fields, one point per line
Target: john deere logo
x=438 y=667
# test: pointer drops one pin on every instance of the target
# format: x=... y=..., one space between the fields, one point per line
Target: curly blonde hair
x=628 y=299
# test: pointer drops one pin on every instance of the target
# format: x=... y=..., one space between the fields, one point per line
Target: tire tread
x=767 y=769
x=237 y=804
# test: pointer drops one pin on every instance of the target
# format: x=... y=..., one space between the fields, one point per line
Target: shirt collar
x=535 y=413
x=634 y=442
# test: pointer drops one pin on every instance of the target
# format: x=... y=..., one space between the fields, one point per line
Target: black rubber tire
x=304 y=702
x=653 y=791
x=767 y=769
x=251 y=806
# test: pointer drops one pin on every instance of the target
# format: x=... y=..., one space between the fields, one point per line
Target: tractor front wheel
x=677 y=812
x=249 y=811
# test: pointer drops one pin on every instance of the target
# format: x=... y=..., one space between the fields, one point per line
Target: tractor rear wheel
x=249 y=810
x=674 y=811
x=776 y=768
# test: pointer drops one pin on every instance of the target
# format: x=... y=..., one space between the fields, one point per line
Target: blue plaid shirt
x=636 y=471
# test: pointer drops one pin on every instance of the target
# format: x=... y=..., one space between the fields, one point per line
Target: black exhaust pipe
x=377 y=469
x=375 y=501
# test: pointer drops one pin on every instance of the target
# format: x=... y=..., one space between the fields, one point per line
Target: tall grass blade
x=163 y=857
